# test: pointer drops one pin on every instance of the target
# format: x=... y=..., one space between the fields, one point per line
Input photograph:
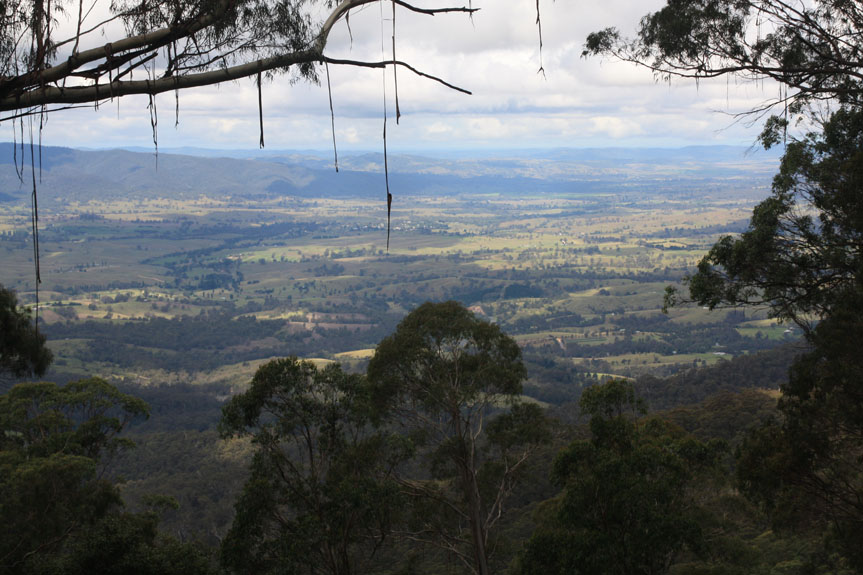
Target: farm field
x=184 y=288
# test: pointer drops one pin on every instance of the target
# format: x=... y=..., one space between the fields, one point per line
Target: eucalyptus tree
x=626 y=507
x=802 y=255
x=802 y=251
x=54 y=444
x=321 y=496
x=452 y=381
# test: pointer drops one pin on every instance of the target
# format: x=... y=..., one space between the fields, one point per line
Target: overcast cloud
x=577 y=103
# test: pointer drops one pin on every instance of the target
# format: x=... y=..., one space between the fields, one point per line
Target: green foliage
x=442 y=359
x=611 y=400
x=125 y=544
x=58 y=513
x=45 y=501
x=728 y=415
x=200 y=471
x=812 y=48
x=807 y=470
x=22 y=347
x=442 y=375
x=626 y=507
x=320 y=497
x=82 y=418
x=800 y=255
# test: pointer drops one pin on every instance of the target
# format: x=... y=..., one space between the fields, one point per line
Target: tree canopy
x=321 y=496
x=60 y=511
x=626 y=506
x=453 y=380
x=802 y=254
x=813 y=50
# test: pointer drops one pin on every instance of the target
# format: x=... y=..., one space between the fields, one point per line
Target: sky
x=577 y=102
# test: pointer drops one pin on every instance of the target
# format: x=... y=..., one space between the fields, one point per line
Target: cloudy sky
x=577 y=103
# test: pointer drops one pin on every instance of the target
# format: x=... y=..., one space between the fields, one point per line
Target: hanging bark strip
x=332 y=117
x=395 y=68
x=260 y=110
x=176 y=94
x=387 y=182
x=18 y=172
x=154 y=124
x=386 y=165
x=41 y=127
x=34 y=220
x=539 y=31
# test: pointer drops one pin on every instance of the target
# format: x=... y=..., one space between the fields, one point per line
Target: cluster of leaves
x=203 y=473
x=803 y=258
x=443 y=374
x=807 y=469
x=58 y=512
x=321 y=494
x=625 y=507
x=803 y=252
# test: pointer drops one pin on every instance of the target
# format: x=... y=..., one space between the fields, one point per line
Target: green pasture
x=573 y=249
x=769 y=329
x=645 y=362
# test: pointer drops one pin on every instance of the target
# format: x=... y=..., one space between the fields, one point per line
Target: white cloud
x=495 y=55
x=615 y=127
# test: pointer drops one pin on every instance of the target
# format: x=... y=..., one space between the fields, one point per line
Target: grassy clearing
x=356 y=354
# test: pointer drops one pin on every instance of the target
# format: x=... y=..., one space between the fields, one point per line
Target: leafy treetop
x=802 y=255
x=320 y=497
x=53 y=446
x=449 y=377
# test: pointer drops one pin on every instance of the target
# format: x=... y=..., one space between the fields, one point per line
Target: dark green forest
x=336 y=472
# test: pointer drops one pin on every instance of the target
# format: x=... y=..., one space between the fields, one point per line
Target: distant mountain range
x=66 y=174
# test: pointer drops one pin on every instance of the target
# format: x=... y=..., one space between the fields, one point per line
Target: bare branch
x=385 y=63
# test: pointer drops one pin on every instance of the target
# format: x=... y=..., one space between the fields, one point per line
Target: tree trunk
x=477 y=527
x=474 y=502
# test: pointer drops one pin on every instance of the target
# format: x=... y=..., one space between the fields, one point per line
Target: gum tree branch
x=47 y=86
